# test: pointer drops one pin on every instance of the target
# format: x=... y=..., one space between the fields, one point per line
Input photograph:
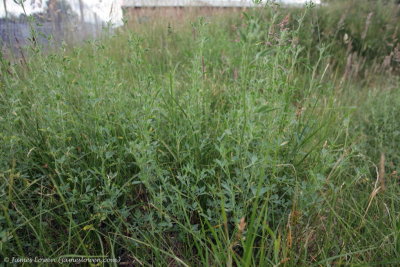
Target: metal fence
x=59 y=21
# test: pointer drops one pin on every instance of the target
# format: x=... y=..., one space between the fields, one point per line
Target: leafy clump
x=228 y=140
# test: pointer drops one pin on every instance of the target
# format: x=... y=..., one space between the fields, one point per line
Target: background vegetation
x=267 y=138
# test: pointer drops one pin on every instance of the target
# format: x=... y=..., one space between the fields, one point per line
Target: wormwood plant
x=217 y=142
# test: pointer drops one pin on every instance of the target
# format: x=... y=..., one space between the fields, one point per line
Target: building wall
x=145 y=14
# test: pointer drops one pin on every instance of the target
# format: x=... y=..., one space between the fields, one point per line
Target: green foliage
x=358 y=32
x=225 y=141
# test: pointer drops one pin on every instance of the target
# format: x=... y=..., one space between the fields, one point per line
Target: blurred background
x=56 y=20
x=70 y=21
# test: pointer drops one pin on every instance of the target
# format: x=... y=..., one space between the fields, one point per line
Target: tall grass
x=232 y=141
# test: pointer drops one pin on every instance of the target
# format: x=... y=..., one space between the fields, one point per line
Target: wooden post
x=82 y=11
x=96 y=25
x=5 y=7
x=7 y=23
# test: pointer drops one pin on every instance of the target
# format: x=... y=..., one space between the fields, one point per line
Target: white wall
x=105 y=10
